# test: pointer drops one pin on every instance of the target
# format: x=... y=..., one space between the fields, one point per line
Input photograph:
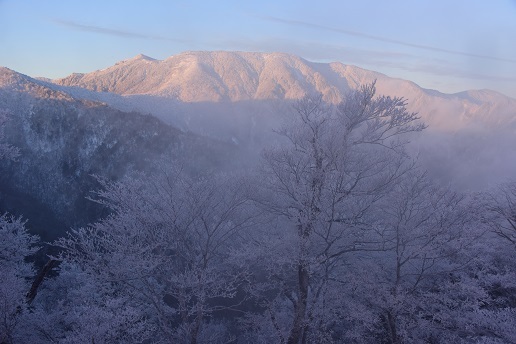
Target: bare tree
x=502 y=205
x=427 y=234
x=6 y=150
x=166 y=244
x=15 y=246
x=337 y=164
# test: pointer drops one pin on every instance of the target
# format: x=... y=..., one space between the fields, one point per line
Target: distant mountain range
x=236 y=77
x=64 y=140
x=236 y=98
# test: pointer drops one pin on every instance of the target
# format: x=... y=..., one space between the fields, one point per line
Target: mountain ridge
x=63 y=140
x=239 y=97
x=230 y=77
x=205 y=56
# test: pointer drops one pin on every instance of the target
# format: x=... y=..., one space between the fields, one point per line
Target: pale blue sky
x=448 y=45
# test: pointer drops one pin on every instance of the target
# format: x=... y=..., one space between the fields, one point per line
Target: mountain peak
x=227 y=76
x=9 y=77
x=136 y=59
x=142 y=57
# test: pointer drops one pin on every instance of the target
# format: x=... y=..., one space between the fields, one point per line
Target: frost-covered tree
x=501 y=204
x=7 y=151
x=494 y=270
x=73 y=307
x=166 y=246
x=15 y=245
x=418 y=288
x=322 y=186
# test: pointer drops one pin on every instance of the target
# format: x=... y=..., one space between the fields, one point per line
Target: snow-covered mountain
x=63 y=140
x=236 y=77
x=240 y=97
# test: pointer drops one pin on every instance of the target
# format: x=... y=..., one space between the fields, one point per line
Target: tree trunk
x=391 y=329
x=296 y=333
x=196 y=326
x=39 y=279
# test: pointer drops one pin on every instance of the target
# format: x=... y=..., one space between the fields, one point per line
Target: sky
x=447 y=45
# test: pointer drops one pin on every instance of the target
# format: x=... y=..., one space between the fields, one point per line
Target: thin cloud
x=113 y=32
x=313 y=50
x=300 y=23
x=441 y=69
x=375 y=59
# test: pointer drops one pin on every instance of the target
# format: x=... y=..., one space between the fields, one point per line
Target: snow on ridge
x=241 y=96
x=143 y=57
x=225 y=76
